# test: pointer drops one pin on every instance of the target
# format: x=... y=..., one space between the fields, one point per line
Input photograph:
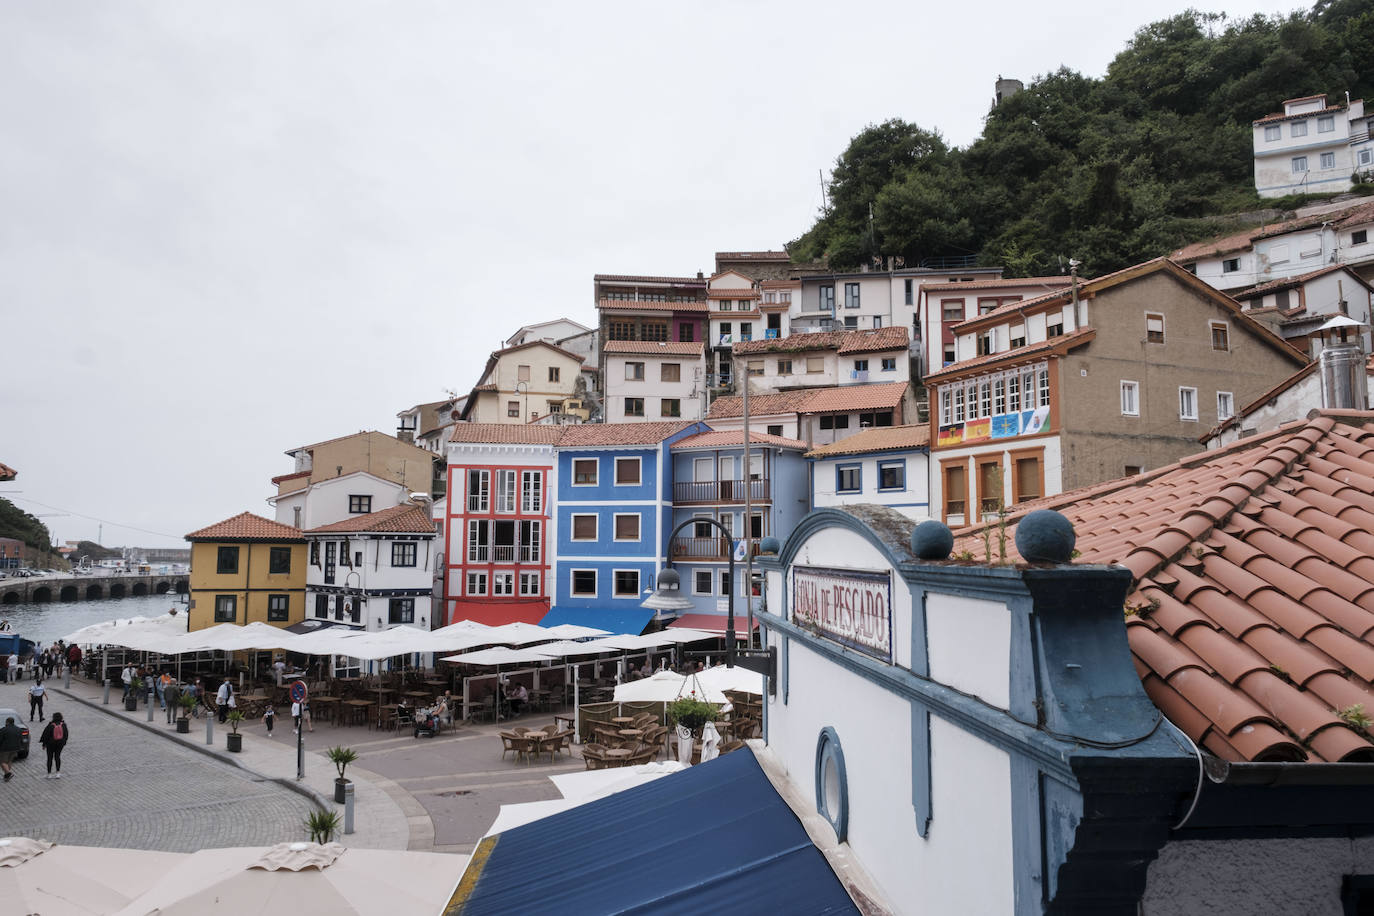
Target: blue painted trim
x=828 y=749
x=851 y=466
x=891 y=462
x=920 y=767
x=819 y=520
x=1028 y=889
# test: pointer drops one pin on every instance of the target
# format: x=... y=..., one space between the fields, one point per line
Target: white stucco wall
x=969 y=642
x=912 y=500
x=687 y=389
x=326 y=502
x=1245 y=877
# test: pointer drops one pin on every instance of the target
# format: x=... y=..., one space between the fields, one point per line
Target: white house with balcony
x=654 y=380
x=375 y=571
x=1311 y=147
x=825 y=359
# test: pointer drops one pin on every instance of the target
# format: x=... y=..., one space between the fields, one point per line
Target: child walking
x=269 y=717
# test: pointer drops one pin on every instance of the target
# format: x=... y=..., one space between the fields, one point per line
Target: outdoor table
x=566 y=721
x=619 y=755
x=436 y=682
x=621 y=721
x=328 y=707
x=419 y=694
x=358 y=708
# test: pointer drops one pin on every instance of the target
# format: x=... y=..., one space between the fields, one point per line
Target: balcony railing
x=710 y=548
x=502 y=553
x=708 y=492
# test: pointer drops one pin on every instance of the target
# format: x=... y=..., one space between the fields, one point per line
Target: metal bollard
x=209 y=729
x=348 y=808
x=150 y=706
x=107 y=691
x=67 y=678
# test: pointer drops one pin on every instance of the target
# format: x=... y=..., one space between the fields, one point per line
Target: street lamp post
x=668 y=597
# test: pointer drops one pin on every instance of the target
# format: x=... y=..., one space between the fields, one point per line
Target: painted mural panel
x=850 y=607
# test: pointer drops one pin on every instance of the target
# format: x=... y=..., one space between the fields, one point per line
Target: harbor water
x=50 y=621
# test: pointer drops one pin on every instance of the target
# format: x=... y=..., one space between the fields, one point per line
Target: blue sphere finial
x=1045 y=536
x=932 y=540
x=770 y=546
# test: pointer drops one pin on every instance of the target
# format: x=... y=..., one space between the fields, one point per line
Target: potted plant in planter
x=341 y=757
x=690 y=714
x=322 y=825
x=187 y=702
x=233 y=740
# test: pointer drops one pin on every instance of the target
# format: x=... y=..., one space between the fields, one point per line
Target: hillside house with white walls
x=943 y=305
x=887 y=466
x=1311 y=147
x=654 y=380
x=523 y=383
x=824 y=359
x=816 y=416
x=374 y=571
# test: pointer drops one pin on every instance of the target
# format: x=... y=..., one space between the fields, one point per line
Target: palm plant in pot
x=233 y=740
x=341 y=757
x=690 y=714
x=187 y=702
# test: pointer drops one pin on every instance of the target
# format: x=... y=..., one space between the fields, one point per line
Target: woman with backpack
x=54 y=739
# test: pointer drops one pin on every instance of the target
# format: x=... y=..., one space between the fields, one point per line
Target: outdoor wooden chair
x=640 y=757
x=511 y=743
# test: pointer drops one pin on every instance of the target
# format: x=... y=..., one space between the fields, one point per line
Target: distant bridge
x=88 y=588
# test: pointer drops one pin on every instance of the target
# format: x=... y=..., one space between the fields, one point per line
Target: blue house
x=710 y=481
x=613 y=514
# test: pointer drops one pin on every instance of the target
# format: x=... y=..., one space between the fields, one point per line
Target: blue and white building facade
x=710 y=482
x=612 y=514
x=884 y=467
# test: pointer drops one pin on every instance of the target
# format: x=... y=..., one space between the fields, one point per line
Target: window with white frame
x=999 y=396
x=1130 y=398
x=890 y=364
x=1298 y=129
x=505 y=490
x=946 y=407
x=531 y=492
x=1013 y=392
x=477 y=583
x=627 y=472
x=1043 y=383
x=627 y=526
x=1328 y=160
x=1187 y=403
x=503 y=584
x=479 y=490
x=634 y=372
x=584 y=527
x=1366 y=156
x=724 y=583
x=479 y=541
x=626 y=583
x=1299 y=164
x=1226 y=406
x=703 y=582
x=1273 y=132
x=529 y=583
x=959 y=404
x=584 y=583
x=1326 y=125
x=584 y=472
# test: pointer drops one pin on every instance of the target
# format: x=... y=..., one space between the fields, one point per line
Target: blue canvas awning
x=715 y=838
x=631 y=621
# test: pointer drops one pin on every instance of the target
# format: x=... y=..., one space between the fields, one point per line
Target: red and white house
x=498 y=523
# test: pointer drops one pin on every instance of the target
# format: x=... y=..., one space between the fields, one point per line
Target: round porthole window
x=832 y=788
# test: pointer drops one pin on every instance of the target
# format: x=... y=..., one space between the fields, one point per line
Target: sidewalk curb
x=326 y=804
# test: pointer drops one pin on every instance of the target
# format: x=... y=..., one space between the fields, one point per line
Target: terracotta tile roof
x=733 y=294
x=1215 y=247
x=889 y=338
x=476 y=389
x=877 y=439
x=591 y=435
x=402 y=519
x=753 y=256
x=812 y=400
x=7 y=472
x=640 y=305
x=1059 y=344
x=496 y=354
x=633 y=278
x=1011 y=308
x=1254 y=292
x=1280 y=116
x=725 y=438
x=505 y=434
x=1280 y=388
x=1363 y=213
x=996 y=284
x=652 y=347
x=246 y=527
x=1252 y=603
x=283 y=477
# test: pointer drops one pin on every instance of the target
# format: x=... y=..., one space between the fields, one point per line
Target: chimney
x=1341 y=365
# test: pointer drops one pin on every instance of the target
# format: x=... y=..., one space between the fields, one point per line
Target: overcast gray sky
x=230 y=229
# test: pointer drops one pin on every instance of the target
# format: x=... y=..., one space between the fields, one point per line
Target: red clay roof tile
x=402 y=519
x=1253 y=594
x=246 y=527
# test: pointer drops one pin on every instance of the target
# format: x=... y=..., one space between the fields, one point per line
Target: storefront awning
x=714 y=838
x=712 y=623
x=497 y=613
x=631 y=621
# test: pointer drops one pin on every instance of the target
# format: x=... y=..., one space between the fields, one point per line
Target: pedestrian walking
x=36 y=693
x=53 y=740
x=12 y=668
x=163 y=682
x=224 y=700
x=127 y=676
x=305 y=715
x=173 y=697
x=269 y=718
x=11 y=743
x=74 y=658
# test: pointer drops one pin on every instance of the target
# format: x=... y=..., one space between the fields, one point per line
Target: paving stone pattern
x=123 y=787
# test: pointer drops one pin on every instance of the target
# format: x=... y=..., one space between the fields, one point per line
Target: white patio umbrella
x=665 y=687
x=517 y=634
x=568 y=649
x=303 y=879
x=578 y=790
x=37 y=876
x=463 y=626
x=500 y=655
x=723 y=678
x=255 y=635
x=573 y=631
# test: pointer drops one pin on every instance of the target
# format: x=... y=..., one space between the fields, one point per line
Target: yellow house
x=247 y=568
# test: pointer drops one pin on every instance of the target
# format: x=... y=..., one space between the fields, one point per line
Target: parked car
x=23 y=729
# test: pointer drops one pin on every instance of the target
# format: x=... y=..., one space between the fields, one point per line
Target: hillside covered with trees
x=1110 y=171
